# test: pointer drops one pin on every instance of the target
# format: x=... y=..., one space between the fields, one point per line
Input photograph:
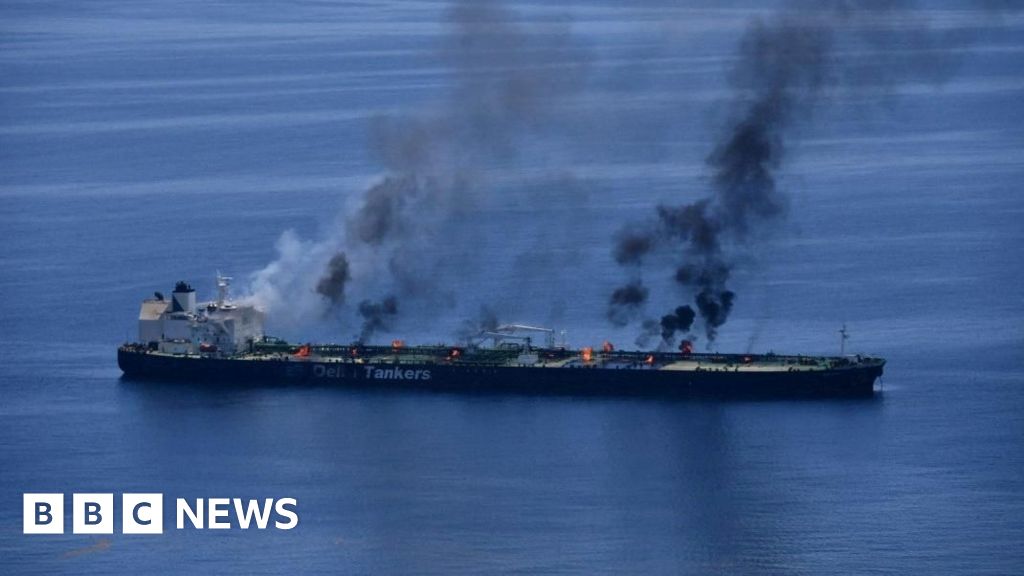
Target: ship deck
x=543 y=358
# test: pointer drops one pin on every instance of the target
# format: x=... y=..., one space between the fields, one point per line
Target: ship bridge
x=181 y=325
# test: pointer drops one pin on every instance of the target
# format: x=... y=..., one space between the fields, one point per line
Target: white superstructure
x=180 y=325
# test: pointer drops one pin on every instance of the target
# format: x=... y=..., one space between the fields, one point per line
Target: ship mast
x=844 y=335
x=223 y=285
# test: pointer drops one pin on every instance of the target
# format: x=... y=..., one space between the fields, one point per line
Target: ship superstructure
x=180 y=325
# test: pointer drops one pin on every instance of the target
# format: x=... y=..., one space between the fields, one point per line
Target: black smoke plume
x=486 y=321
x=650 y=330
x=626 y=302
x=380 y=216
x=678 y=321
x=782 y=68
x=786 y=65
x=632 y=245
x=714 y=308
x=376 y=316
x=504 y=88
x=336 y=275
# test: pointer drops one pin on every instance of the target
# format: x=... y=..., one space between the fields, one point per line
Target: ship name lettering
x=396 y=373
x=321 y=371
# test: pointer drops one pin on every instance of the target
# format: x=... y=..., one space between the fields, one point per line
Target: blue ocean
x=143 y=143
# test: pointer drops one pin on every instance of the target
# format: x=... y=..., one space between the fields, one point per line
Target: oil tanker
x=222 y=342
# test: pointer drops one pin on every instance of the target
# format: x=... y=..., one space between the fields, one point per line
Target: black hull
x=854 y=381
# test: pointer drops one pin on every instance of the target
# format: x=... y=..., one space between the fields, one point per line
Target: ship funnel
x=183 y=299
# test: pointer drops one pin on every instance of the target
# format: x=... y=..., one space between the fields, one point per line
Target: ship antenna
x=844 y=335
x=223 y=285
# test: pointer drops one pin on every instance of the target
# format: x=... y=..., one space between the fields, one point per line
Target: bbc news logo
x=144 y=513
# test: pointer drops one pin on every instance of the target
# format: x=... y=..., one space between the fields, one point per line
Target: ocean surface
x=143 y=143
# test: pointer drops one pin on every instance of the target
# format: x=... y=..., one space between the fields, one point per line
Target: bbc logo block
x=93 y=513
x=43 y=513
x=142 y=514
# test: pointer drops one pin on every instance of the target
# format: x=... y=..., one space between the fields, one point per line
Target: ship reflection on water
x=397 y=481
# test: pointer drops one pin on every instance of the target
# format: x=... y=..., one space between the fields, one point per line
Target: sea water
x=145 y=143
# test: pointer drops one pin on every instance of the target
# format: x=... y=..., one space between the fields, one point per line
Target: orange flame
x=397 y=344
x=650 y=359
x=607 y=347
x=303 y=351
x=587 y=353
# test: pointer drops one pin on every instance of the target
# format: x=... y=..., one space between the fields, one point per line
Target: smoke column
x=625 y=302
x=510 y=85
x=504 y=88
x=376 y=316
x=332 y=284
x=486 y=321
x=786 y=66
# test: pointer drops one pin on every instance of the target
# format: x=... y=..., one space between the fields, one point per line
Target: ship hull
x=854 y=381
